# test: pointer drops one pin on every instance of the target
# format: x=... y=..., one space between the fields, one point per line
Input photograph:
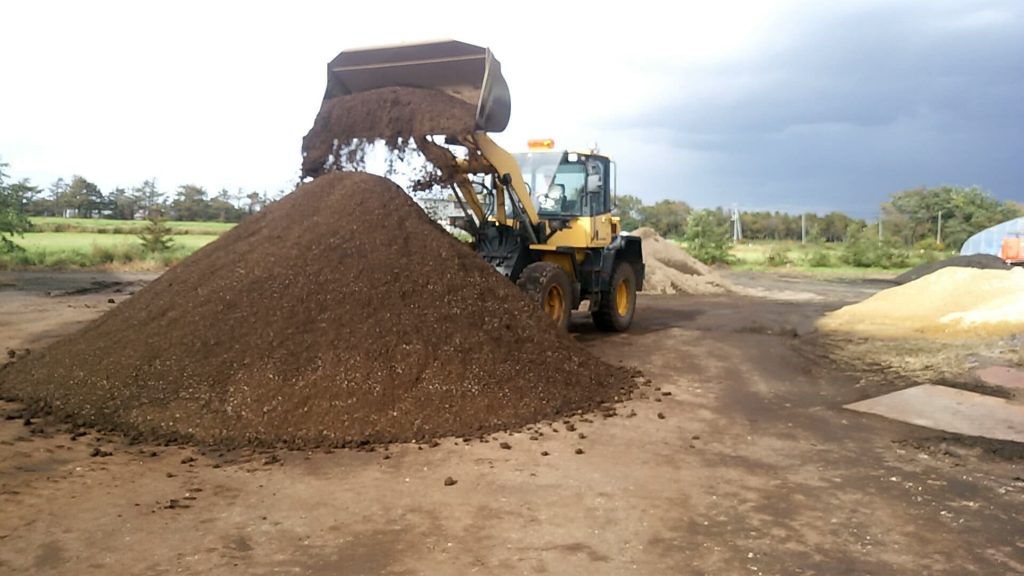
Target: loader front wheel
x=618 y=304
x=549 y=286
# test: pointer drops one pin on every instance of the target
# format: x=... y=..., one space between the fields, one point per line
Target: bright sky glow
x=787 y=105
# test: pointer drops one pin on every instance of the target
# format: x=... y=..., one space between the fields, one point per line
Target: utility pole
x=803 y=228
x=938 y=235
x=737 y=226
x=879 y=227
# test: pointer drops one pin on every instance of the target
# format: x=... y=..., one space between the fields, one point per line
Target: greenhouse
x=1004 y=240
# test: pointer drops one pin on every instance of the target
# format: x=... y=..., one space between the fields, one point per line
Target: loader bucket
x=468 y=72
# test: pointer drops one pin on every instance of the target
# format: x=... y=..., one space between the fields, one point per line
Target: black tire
x=618 y=304
x=549 y=286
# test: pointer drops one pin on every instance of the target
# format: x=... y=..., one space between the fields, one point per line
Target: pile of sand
x=952 y=302
x=671 y=270
x=338 y=316
x=670 y=253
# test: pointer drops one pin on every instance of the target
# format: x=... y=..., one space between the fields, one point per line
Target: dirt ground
x=738 y=458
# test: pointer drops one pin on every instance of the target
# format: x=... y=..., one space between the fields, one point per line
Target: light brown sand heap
x=947 y=304
x=671 y=269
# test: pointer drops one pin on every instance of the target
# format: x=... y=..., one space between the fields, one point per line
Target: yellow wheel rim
x=622 y=298
x=554 y=303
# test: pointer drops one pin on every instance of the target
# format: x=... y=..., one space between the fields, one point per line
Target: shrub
x=866 y=252
x=707 y=237
x=818 y=259
x=8 y=246
x=172 y=257
x=929 y=251
x=16 y=259
x=102 y=254
x=62 y=259
x=777 y=256
x=95 y=255
x=117 y=253
x=928 y=246
x=156 y=236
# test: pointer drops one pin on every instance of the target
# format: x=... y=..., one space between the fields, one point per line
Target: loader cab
x=565 y=185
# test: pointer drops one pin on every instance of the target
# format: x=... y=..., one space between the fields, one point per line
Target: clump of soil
x=952 y=302
x=339 y=316
x=394 y=114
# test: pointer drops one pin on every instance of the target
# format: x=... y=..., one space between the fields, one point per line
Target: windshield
x=556 y=186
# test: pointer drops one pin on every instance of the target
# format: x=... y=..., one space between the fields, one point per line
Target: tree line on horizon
x=910 y=218
x=79 y=197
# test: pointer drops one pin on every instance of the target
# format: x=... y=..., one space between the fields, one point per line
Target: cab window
x=565 y=193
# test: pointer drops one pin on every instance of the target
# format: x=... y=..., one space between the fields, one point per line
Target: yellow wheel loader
x=543 y=217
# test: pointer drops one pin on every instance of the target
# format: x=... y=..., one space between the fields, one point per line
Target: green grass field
x=91 y=243
x=106 y=226
x=754 y=256
x=86 y=241
x=817 y=259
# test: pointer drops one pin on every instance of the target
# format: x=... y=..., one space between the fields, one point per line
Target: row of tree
x=669 y=218
x=81 y=198
x=946 y=215
x=912 y=217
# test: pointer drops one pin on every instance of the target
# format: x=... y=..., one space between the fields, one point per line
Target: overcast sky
x=786 y=105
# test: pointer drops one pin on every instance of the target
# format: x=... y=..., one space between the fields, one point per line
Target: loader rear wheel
x=549 y=286
x=618 y=304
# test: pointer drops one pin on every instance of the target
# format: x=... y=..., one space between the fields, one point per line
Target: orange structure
x=1012 y=250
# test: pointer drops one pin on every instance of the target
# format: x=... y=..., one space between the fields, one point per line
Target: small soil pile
x=392 y=114
x=952 y=302
x=979 y=261
x=671 y=254
x=671 y=270
x=340 y=315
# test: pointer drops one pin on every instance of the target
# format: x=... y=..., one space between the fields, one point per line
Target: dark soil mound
x=388 y=114
x=981 y=261
x=340 y=315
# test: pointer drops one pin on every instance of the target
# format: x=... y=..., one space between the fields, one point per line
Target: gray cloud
x=849 y=105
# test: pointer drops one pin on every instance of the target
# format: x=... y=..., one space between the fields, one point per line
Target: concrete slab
x=1003 y=376
x=951 y=410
